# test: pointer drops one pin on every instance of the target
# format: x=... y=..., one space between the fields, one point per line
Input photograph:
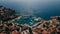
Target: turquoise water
x=29 y=20
x=40 y=8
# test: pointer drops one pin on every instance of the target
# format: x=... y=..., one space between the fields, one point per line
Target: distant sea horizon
x=43 y=9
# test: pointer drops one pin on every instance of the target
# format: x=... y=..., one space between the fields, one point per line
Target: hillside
x=7 y=14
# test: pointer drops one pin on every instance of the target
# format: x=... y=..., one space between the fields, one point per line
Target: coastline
x=15 y=19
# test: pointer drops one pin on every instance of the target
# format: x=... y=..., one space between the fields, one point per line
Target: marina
x=29 y=16
x=28 y=20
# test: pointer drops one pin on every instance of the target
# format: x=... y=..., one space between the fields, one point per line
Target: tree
x=30 y=31
x=58 y=18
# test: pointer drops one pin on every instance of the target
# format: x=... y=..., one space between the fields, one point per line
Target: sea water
x=40 y=8
x=28 y=20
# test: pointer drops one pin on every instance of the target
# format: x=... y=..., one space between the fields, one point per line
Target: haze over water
x=41 y=8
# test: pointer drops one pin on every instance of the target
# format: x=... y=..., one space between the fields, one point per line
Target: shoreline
x=15 y=19
x=27 y=24
x=38 y=24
